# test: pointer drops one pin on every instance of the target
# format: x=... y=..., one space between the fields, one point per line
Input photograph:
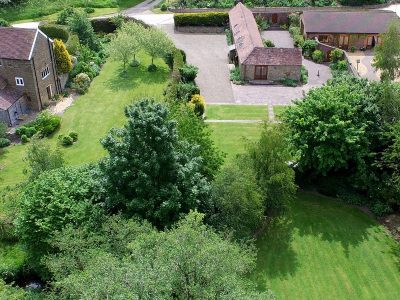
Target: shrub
x=298 y=41
x=171 y=92
x=163 y=7
x=72 y=44
x=229 y=36
x=104 y=25
x=268 y=44
x=294 y=30
x=63 y=59
x=28 y=129
x=4 y=23
x=89 y=10
x=336 y=55
x=81 y=83
x=185 y=91
x=235 y=76
x=24 y=139
x=284 y=26
x=152 y=68
x=46 y=123
x=294 y=19
x=304 y=75
x=341 y=65
x=188 y=73
x=318 y=56
x=289 y=82
x=67 y=140
x=309 y=46
x=55 y=31
x=4 y=142
x=352 y=49
x=3 y=129
x=74 y=136
x=199 y=104
x=261 y=23
x=201 y=19
x=91 y=69
x=64 y=15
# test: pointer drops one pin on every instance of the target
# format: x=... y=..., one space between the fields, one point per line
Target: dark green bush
x=64 y=15
x=72 y=44
x=55 y=31
x=188 y=73
x=294 y=19
x=318 y=56
x=235 y=76
x=4 y=142
x=298 y=41
x=89 y=10
x=44 y=124
x=92 y=70
x=201 y=19
x=74 y=136
x=268 y=44
x=309 y=46
x=289 y=82
x=185 y=91
x=67 y=140
x=152 y=68
x=24 y=139
x=336 y=55
x=171 y=92
x=4 y=23
x=304 y=75
x=294 y=30
x=163 y=7
x=341 y=65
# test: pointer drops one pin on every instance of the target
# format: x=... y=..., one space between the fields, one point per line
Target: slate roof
x=8 y=95
x=16 y=43
x=347 y=21
x=274 y=57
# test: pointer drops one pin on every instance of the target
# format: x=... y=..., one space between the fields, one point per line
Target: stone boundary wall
x=200 y=29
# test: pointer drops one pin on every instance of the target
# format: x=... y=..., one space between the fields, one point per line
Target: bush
x=64 y=15
x=163 y=7
x=309 y=46
x=235 y=76
x=199 y=104
x=81 y=83
x=171 y=92
x=4 y=142
x=289 y=82
x=62 y=57
x=341 y=65
x=3 y=130
x=294 y=19
x=72 y=44
x=4 y=23
x=89 y=10
x=185 y=91
x=67 y=141
x=336 y=55
x=44 y=125
x=74 y=136
x=294 y=30
x=229 y=36
x=268 y=44
x=55 y=31
x=104 y=25
x=318 y=56
x=91 y=69
x=261 y=23
x=201 y=19
x=353 y=49
x=152 y=68
x=188 y=73
x=304 y=75
x=24 y=139
x=298 y=41
x=28 y=129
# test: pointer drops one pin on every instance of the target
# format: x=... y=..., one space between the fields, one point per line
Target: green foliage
x=188 y=73
x=24 y=139
x=73 y=135
x=162 y=176
x=238 y=200
x=163 y=7
x=65 y=15
x=11 y=293
x=185 y=91
x=177 y=61
x=81 y=83
x=41 y=158
x=270 y=157
x=63 y=59
x=4 y=142
x=294 y=30
x=199 y=104
x=72 y=44
x=235 y=76
x=66 y=141
x=44 y=125
x=57 y=198
x=261 y=23
x=12 y=261
x=91 y=69
x=152 y=68
x=120 y=48
x=156 y=43
x=289 y=82
x=4 y=23
x=3 y=130
x=55 y=31
x=303 y=75
x=298 y=41
x=294 y=19
x=336 y=55
x=309 y=47
x=79 y=23
x=387 y=55
x=229 y=36
x=201 y=19
x=89 y=10
x=341 y=66
x=268 y=44
x=318 y=56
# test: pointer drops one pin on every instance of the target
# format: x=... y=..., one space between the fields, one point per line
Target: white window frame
x=19 y=81
x=46 y=71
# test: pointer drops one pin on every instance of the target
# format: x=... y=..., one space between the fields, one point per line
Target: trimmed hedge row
x=108 y=25
x=172 y=89
x=55 y=31
x=220 y=19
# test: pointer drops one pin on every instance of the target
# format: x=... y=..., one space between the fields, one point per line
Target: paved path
x=141 y=7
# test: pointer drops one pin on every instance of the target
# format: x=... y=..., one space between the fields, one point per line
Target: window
x=19 y=81
x=323 y=38
x=45 y=72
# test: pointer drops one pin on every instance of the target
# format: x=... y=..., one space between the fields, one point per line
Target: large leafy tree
x=80 y=24
x=150 y=172
x=189 y=261
x=120 y=49
x=136 y=33
x=156 y=43
x=387 y=55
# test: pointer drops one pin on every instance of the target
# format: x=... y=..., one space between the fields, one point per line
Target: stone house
x=28 y=78
x=346 y=29
x=258 y=64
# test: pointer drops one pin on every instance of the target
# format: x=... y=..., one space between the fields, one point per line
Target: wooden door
x=260 y=72
x=274 y=18
x=369 y=41
x=343 y=41
x=49 y=92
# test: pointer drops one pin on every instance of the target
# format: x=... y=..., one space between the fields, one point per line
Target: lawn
x=236 y=112
x=279 y=110
x=93 y=114
x=45 y=9
x=327 y=250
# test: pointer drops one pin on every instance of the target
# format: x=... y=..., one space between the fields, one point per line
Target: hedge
x=108 y=25
x=202 y=19
x=55 y=31
x=172 y=89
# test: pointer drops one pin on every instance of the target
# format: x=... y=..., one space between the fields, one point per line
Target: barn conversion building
x=257 y=63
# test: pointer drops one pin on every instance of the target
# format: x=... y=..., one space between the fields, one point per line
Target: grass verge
x=237 y=112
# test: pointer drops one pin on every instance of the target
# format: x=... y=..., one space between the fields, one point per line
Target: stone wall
x=274 y=73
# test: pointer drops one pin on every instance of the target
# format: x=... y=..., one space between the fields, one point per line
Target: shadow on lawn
x=135 y=76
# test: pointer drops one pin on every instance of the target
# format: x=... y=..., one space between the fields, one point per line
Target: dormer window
x=45 y=72
x=19 y=81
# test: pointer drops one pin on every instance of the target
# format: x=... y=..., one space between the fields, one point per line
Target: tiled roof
x=245 y=31
x=8 y=95
x=16 y=43
x=347 y=21
x=274 y=57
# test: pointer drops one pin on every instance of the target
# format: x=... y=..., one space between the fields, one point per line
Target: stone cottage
x=28 y=78
x=346 y=29
x=259 y=64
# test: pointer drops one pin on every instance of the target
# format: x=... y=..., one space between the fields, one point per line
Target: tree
x=156 y=44
x=189 y=261
x=238 y=199
x=40 y=158
x=136 y=32
x=150 y=172
x=80 y=24
x=57 y=198
x=270 y=158
x=63 y=59
x=387 y=55
x=120 y=48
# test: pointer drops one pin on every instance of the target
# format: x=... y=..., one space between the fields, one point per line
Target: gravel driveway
x=209 y=53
